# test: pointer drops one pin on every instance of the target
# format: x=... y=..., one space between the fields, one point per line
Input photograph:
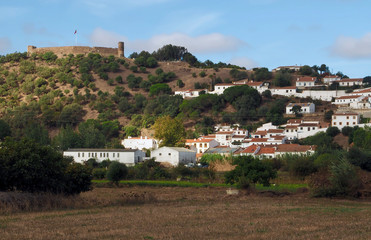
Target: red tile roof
x=259 y=140
x=349 y=97
x=306 y=79
x=199 y=140
x=266 y=150
x=261 y=133
x=276 y=130
x=345 y=114
x=351 y=80
x=250 y=149
x=294 y=148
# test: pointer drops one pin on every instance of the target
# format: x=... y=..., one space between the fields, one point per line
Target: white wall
x=172 y=156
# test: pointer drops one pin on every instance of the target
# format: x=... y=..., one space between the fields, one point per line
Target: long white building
x=128 y=156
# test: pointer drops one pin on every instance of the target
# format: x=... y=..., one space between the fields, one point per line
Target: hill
x=42 y=94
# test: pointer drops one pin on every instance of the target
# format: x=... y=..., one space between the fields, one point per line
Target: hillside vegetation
x=93 y=101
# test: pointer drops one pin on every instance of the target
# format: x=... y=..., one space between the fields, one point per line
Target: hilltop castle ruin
x=64 y=51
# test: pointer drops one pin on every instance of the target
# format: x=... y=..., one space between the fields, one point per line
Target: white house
x=128 y=156
x=364 y=92
x=306 y=81
x=220 y=87
x=200 y=145
x=341 y=120
x=305 y=108
x=294 y=149
x=348 y=82
x=284 y=91
x=191 y=93
x=330 y=79
x=174 y=155
x=139 y=143
x=363 y=103
x=346 y=100
x=292 y=68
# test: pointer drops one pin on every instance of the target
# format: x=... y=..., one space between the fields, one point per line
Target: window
x=347 y=123
x=82 y=154
x=113 y=154
x=88 y=154
x=354 y=123
x=160 y=154
x=118 y=154
x=334 y=123
x=340 y=123
x=78 y=155
x=334 y=117
x=347 y=117
x=354 y=117
x=100 y=154
x=169 y=154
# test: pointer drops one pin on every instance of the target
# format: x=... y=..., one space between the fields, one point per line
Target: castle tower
x=120 y=49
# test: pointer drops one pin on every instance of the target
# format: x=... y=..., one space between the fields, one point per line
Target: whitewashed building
x=346 y=100
x=128 y=156
x=284 y=91
x=220 y=87
x=330 y=79
x=348 y=82
x=363 y=103
x=292 y=68
x=174 y=155
x=341 y=120
x=191 y=93
x=304 y=82
x=305 y=108
x=140 y=143
x=200 y=145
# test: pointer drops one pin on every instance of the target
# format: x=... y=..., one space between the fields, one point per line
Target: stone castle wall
x=64 y=51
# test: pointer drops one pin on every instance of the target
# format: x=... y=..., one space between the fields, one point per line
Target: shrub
x=332 y=131
x=116 y=172
x=202 y=74
x=250 y=170
x=99 y=173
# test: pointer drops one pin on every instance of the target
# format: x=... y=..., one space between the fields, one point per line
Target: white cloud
x=244 y=62
x=349 y=47
x=5 y=44
x=208 y=43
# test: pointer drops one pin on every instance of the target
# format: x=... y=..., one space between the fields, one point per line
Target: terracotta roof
x=298 y=104
x=306 y=79
x=259 y=139
x=261 y=133
x=345 y=114
x=266 y=150
x=308 y=125
x=199 y=140
x=254 y=83
x=351 y=80
x=349 y=97
x=278 y=137
x=250 y=149
x=333 y=76
x=363 y=91
x=224 y=132
x=294 y=148
x=292 y=126
x=275 y=130
x=224 y=84
x=208 y=137
x=293 y=120
x=239 y=136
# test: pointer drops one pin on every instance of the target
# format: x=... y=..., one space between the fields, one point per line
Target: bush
x=250 y=170
x=116 y=172
x=347 y=131
x=28 y=166
x=202 y=74
x=332 y=131
x=99 y=173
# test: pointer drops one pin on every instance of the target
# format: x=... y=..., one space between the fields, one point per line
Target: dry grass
x=193 y=213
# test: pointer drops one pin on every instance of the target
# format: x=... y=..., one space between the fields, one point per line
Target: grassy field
x=143 y=212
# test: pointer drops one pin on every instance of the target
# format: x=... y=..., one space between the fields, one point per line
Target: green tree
x=306 y=70
x=169 y=131
x=31 y=167
x=4 y=129
x=250 y=170
x=116 y=172
x=282 y=79
x=91 y=135
x=159 y=88
x=71 y=114
x=332 y=131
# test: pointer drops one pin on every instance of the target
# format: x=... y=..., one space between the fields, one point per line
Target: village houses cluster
x=268 y=141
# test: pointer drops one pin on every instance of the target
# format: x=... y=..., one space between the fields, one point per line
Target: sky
x=249 y=33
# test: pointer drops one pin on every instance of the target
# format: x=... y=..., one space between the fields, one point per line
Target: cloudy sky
x=250 y=33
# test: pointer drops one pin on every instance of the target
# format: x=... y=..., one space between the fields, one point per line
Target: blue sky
x=250 y=33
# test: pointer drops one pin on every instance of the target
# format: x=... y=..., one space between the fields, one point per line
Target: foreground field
x=193 y=213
